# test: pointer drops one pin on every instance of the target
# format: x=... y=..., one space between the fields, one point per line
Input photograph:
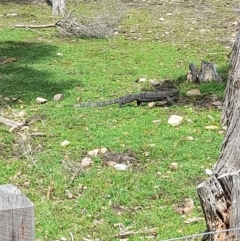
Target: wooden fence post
x=16 y=215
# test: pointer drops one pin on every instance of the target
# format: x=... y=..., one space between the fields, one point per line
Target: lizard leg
x=138 y=102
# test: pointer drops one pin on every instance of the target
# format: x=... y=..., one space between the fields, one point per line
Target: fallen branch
x=123 y=234
x=11 y=123
x=35 y=26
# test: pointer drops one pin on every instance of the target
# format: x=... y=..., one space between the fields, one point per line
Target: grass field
x=101 y=198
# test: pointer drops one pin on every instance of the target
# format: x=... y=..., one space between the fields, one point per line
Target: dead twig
x=35 y=26
x=75 y=175
x=122 y=234
x=11 y=123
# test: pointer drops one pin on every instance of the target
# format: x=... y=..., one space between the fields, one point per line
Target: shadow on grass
x=33 y=74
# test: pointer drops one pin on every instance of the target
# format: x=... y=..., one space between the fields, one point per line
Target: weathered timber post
x=16 y=215
x=220 y=195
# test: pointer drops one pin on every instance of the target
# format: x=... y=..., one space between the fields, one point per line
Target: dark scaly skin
x=139 y=97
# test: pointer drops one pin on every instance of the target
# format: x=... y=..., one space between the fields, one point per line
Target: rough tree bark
x=220 y=195
x=58 y=7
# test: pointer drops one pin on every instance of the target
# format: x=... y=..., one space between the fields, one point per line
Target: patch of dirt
x=204 y=101
x=127 y=157
x=185 y=21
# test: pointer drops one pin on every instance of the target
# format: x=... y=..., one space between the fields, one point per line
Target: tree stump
x=208 y=72
x=220 y=195
x=16 y=215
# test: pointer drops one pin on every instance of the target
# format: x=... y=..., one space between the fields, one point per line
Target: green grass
x=94 y=69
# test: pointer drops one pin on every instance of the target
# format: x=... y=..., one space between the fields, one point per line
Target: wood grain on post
x=16 y=215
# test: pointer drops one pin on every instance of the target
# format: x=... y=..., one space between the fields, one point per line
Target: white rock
x=173 y=166
x=151 y=104
x=208 y=172
x=193 y=92
x=154 y=82
x=103 y=150
x=175 y=120
x=58 y=97
x=65 y=143
x=217 y=103
x=93 y=152
x=224 y=127
x=121 y=167
x=59 y=54
x=40 y=100
x=86 y=162
x=168 y=14
x=142 y=80
x=68 y=194
x=161 y=19
x=190 y=138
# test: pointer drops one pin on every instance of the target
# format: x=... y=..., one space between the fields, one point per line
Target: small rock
x=142 y=80
x=221 y=132
x=93 y=152
x=86 y=162
x=168 y=14
x=121 y=167
x=154 y=82
x=59 y=54
x=224 y=127
x=173 y=166
x=208 y=172
x=65 y=143
x=217 y=103
x=40 y=100
x=103 y=150
x=151 y=104
x=193 y=92
x=68 y=194
x=175 y=120
x=58 y=97
x=161 y=19
x=189 y=138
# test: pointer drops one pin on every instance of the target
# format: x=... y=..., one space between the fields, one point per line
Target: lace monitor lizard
x=139 y=97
